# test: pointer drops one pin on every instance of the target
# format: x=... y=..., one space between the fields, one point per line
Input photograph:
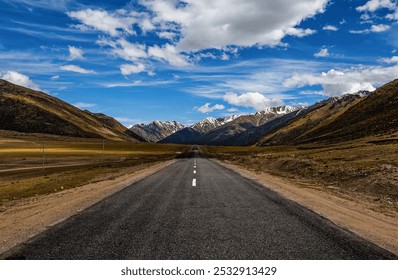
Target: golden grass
x=69 y=162
x=357 y=167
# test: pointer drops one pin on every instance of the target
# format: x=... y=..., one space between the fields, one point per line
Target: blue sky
x=146 y=60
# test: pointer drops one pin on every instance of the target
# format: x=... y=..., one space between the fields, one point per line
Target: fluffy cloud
x=376 y=28
x=75 y=53
x=193 y=26
x=374 y=5
x=324 y=52
x=379 y=28
x=18 y=79
x=167 y=35
x=336 y=83
x=207 y=109
x=392 y=60
x=128 y=69
x=330 y=28
x=76 y=69
x=168 y=53
x=251 y=99
x=215 y=24
x=124 y=49
x=110 y=23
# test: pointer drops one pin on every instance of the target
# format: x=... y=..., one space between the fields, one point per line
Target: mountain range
x=157 y=130
x=217 y=131
x=344 y=118
x=349 y=117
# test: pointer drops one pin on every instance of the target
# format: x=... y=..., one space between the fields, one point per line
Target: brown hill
x=342 y=119
x=26 y=110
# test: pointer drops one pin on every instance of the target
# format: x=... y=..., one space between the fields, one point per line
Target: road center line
x=194 y=172
x=194 y=183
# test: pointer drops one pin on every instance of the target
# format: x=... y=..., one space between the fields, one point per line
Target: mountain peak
x=281 y=110
x=156 y=130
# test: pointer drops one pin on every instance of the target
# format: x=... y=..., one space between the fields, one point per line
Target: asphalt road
x=197 y=209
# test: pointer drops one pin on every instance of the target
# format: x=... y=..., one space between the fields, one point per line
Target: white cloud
x=53 y=78
x=76 y=69
x=299 y=32
x=379 y=28
x=167 y=35
x=393 y=16
x=18 y=79
x=374 y=5
x=128 y=69
x=129 y=51
x=203 y=55
x=110 y=23
x=210 y=24
x=336 y=83
x=193 y=26
x=392 y=60
x=251 y=99
x=324 y=52
x=75 y=53
x=207 y=109
x=330 y=28
x=168 y=53
x=376 y=28
x=225 y=56
x=124 y=49
x=82 y=105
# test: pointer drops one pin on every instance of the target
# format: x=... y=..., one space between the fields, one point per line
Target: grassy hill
x=30 y=111
x=348 y=118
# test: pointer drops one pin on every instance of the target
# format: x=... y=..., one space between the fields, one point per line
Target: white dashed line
x=194 y=183
x=194 y=172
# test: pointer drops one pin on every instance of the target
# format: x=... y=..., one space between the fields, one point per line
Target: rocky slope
x=156 y=130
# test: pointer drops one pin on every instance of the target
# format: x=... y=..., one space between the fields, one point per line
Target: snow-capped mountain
x=211 y=123
x=216 y=131
x=157 y=130
x=282 y=110
x=228 y=119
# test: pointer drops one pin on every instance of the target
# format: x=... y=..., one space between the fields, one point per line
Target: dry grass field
x=366 y=168
x=34 y=164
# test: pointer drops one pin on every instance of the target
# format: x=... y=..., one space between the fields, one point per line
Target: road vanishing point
x=196 y=209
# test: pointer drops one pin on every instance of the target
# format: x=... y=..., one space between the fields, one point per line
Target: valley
x=338 y=155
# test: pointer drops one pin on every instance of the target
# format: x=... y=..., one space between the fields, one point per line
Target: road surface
x=197 y=209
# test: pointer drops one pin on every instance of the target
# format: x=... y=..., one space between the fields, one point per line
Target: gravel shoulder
x=29 y=217
x=354 y=215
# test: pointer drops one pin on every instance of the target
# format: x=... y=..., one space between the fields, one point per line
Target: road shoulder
x=356 y=216
x=30 y=217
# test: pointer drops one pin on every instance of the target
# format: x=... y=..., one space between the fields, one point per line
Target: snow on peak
x=282 y=110
x=229 y=119
x=157 y=130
